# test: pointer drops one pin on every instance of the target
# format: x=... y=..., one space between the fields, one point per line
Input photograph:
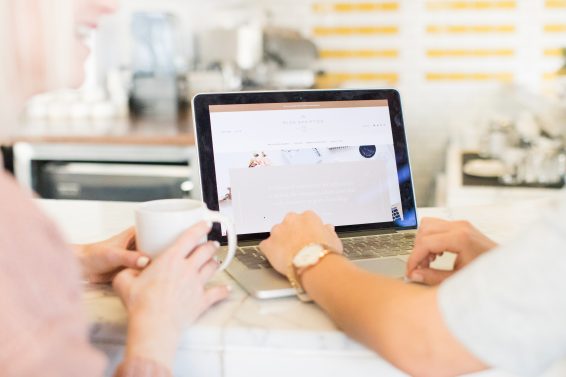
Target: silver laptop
x=340 y=153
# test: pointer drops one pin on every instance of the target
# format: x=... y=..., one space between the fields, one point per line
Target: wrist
x=300 y=271
x=152 y=337
x=80 y=253
x=309 y=277
x=309 y=257
x=78 y=250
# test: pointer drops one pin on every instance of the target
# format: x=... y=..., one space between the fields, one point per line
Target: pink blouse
x=43 y=331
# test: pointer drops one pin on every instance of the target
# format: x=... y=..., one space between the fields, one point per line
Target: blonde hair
x=36 y=52
x=7 y=72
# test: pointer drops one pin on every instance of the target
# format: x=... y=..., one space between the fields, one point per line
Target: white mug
x=160 y=222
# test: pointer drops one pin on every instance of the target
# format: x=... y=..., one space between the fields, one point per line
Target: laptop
x=340 y=153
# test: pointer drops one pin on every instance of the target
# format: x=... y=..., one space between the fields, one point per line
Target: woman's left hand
x=101 y=261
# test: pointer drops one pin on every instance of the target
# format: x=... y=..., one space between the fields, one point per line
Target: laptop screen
x=336 y=158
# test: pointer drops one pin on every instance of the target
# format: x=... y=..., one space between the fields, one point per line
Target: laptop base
x=266 y=283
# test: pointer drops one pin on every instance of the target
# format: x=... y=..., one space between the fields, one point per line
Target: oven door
x=110 y=173
x=112 y=181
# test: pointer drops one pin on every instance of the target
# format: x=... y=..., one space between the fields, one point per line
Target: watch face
x=368 y=151
x=308 y=256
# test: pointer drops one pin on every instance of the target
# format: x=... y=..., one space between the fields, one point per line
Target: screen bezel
x=203 y=137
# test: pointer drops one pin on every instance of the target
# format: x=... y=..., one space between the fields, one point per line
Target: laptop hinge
x=248 y=243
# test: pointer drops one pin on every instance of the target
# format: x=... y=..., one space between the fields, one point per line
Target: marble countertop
x=243 y=336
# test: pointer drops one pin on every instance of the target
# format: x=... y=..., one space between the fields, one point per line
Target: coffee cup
x=160 y=222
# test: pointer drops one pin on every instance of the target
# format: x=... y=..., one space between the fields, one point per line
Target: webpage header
x=297 y=105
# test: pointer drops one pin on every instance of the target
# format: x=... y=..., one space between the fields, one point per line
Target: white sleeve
x=508 y=307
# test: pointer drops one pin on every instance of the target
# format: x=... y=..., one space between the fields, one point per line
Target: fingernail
x=142 y=262
x=216 y=244
x=417 y=277
x=209 y=223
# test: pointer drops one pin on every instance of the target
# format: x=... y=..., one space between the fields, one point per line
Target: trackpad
x=392 y=267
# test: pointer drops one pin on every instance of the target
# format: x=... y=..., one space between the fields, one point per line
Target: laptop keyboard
x=387 y=245
x=252 y=257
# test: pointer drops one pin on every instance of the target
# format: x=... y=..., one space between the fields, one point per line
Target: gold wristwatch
x=306 y=258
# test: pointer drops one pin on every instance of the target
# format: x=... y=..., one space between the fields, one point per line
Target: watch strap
x=294 y=275
x=295 y=283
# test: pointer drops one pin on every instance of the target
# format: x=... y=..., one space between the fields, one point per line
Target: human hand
x=169 y=294
x=101 y=261
x=436 y=236
x=295 y=232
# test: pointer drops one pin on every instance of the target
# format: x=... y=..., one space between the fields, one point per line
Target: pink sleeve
x=43 y=330
x=139 y=367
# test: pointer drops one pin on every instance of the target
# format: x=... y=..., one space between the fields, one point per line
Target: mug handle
x=217 y=217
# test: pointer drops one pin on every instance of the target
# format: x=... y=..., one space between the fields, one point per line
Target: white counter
x=247 y=337
x=451 y=191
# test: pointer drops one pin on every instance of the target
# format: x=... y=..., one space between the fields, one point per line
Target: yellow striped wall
x=431 y=42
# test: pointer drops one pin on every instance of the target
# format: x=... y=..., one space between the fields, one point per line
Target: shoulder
x=35 y=262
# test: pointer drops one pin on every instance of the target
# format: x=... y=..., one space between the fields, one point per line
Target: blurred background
x=482 y=83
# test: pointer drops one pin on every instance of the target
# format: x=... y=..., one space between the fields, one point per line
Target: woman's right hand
x=168 y=295
x=435 y=236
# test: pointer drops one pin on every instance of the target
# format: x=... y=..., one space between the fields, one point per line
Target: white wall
x=447 y=57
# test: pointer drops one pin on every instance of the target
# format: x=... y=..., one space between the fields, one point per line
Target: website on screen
x=335 y=158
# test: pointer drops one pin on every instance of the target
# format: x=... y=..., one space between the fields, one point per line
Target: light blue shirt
x=508 y=307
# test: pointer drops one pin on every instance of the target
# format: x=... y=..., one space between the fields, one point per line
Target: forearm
x=399 y=321
x=151 y=339
x=150 y=350
x=362 y=304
